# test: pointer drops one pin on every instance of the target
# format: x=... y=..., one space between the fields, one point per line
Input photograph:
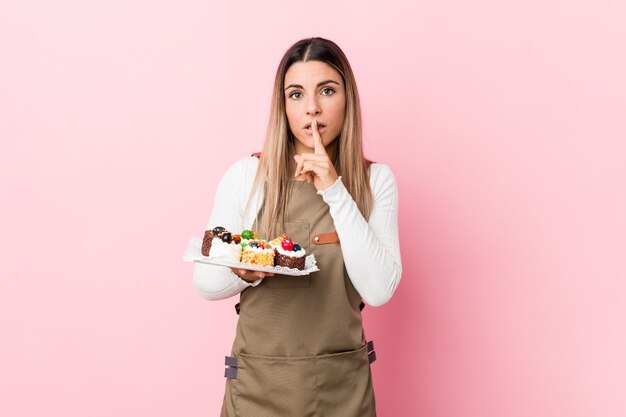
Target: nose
x=313 y=107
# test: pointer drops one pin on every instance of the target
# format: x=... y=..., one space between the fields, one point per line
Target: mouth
x=309 y=129
x=319 y=124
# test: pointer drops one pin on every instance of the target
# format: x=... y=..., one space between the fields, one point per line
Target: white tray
x=194 y=254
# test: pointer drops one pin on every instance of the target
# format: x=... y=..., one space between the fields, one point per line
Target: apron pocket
x=275 y=386
x=300 y=232
x=344 y=384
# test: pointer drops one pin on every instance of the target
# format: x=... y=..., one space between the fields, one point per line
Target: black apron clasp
x=371 y=354
x=231 y=367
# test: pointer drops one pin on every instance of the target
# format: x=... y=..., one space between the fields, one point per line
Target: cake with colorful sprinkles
x=258 y=252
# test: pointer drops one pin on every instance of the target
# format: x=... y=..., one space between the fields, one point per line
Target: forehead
x=309 y=73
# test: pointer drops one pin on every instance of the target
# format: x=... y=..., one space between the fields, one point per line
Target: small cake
x=221 y=243
x=289 y=254
x=208 y=239
x=258 y=252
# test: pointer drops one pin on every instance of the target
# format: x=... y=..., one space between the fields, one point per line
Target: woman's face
x=314 y=90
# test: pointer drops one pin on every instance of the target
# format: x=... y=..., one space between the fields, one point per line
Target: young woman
x=300 y=349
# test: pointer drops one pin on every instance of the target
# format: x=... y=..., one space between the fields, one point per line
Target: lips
x=319 y=125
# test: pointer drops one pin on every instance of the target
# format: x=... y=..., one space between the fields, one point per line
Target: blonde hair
x=276 y=161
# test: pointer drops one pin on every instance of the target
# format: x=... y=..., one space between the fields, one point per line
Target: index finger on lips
x=317 y=139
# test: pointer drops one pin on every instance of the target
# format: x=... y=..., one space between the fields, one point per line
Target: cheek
x=338 y=115
x=337 y=109
x=291 y=116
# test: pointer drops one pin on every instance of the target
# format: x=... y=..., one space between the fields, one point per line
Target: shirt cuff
x=329 y=189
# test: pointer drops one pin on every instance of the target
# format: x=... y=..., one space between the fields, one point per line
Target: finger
x=301 y=161
x=309 y=157
x=310 y=171
x=250 y=276
x=318 y=146
x=241 y=273
x=314 y=167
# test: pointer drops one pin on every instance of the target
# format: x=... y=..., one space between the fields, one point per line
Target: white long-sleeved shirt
x=371 y=249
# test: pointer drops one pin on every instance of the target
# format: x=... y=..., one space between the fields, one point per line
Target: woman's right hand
x=251 y=276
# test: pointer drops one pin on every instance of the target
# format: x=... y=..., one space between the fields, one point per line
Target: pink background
x=502 y=120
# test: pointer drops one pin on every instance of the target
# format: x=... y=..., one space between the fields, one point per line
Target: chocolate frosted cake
x=289 y=261
x=206 y=242
x=288 y=254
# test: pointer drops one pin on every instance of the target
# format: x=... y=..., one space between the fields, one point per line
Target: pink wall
x=503 y=122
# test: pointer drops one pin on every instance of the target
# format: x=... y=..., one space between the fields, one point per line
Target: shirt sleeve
x=214 y=282
x=371 y=249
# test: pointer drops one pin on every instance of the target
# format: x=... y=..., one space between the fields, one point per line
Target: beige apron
x=300 y=349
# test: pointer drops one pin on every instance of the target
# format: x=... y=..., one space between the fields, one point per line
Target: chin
x=306 y=142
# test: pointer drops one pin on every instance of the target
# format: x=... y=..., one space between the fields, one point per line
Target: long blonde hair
x=276 y=161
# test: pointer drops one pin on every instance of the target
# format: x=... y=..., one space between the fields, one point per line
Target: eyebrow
x=318 y=84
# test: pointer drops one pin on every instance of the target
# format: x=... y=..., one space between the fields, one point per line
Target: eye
x=331 y=91
x=294 y=93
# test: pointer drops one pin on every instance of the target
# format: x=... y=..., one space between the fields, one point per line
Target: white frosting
x=293 y=254
x=220 y=248
x=258 y=250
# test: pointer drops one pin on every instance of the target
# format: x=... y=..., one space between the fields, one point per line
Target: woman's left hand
x=316 y=166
